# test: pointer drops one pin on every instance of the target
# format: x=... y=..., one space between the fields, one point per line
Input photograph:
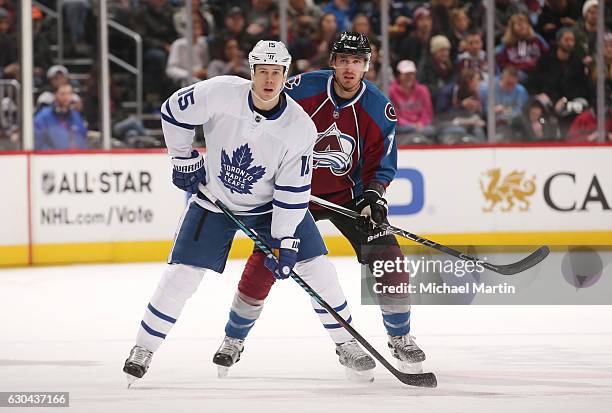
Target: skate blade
x=366 y=376
x=130 y=380
x=410 y=368
x=222 y=372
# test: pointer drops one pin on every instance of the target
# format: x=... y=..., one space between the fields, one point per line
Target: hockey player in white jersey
x=258 y=163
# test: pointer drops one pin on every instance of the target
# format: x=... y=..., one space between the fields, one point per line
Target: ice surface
x=71 y=328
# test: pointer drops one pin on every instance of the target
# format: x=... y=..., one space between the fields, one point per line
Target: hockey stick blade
x=509 y=269
x=417 y=380
x=529 y=261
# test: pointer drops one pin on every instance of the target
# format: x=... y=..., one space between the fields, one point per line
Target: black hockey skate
x=408 y=355
x=228 y=355
x=137 y=364
x=359 y=365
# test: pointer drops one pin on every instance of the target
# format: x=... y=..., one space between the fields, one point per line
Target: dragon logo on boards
x=237 y=174
x=334 y=150
x=507 y=191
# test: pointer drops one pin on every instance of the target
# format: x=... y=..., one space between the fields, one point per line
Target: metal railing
x=135 y=70
x=59 y=47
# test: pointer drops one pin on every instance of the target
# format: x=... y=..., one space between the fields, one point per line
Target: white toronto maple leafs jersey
x=254 y=164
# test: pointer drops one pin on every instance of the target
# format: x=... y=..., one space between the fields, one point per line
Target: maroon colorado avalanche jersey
x=356 y=140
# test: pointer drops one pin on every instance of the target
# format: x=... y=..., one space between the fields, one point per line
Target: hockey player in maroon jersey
x=355 y=159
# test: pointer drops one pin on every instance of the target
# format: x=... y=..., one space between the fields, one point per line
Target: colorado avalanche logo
x=390 y=112
x=334 y=150
x=293 y=81
x=237 y=174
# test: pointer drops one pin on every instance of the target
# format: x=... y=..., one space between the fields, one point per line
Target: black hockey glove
x=372 y=205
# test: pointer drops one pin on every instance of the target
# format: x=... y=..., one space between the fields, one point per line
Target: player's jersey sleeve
x=380 y=146
x=292 y=186
x=187 y=108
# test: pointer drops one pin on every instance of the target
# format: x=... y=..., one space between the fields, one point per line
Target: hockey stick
x=419 y=380
x=510 y=269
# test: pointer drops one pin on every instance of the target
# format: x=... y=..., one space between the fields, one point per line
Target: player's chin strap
x=418 y=379
x=269 y=100
x=510 y=269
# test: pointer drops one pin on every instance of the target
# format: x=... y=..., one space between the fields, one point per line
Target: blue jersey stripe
x=160 y=314
x=171 y=119
x=332 y=326
x=176 y=123
x=151 y=331
x=285 y=205
x=292 y=188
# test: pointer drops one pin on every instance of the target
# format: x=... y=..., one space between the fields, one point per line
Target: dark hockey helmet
x=352 y=43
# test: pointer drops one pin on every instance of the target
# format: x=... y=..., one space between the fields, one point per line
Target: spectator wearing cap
x=178 y=68
x=235 y=27
x=521 y=47
x=555 y=15
x=9 y=68
x=510 y=100
x=586 y=31
x=344 y=10
x=411 y=47
x=436 y=68
x=473 y=56
x=412 y=103
x=59 y=126
x=560 y=77
x=57 y=75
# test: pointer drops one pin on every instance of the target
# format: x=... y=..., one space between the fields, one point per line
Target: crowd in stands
x=545 y=58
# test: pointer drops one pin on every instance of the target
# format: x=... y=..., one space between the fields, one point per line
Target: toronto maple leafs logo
x=237 y=174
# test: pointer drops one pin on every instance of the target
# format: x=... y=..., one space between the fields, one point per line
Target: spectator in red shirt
x=521 y=47
x=584 y=127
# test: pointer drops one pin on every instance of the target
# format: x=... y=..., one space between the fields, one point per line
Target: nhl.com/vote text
x=115 y=214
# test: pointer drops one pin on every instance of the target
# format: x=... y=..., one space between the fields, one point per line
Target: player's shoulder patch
x=307 y=84
x=374 y=100
x=390 y=112
x=293 y=81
